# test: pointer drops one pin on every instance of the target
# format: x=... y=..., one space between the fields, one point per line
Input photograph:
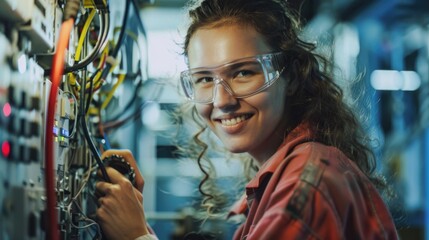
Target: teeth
x=233 y=121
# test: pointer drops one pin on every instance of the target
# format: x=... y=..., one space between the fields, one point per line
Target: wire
x=118 y=45
x=136 y=11
x=56 y=73
x=124 y=27
x=91 y=85
x=135 y=115
x=85 y=181
x=102 y=133
x=139 y=83
x=101 y=44
x=106 y=102
x=88 y=138
x=83 y=34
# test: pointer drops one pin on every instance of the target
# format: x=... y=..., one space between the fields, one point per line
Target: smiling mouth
x=234 y=121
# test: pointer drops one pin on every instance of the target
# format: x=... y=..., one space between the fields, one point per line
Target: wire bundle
x=83 y=83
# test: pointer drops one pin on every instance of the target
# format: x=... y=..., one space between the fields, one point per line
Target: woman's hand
x=120 y=212
x=128 y=156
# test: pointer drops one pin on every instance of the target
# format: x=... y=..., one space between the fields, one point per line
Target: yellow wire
x=121 y=78
x=83 y=34
x=104 y=55
x=96 y=79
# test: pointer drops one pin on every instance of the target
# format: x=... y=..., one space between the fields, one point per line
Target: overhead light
x=393 y=80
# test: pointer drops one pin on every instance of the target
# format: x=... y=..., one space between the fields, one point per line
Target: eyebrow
x=229 y=66
x=202 y=72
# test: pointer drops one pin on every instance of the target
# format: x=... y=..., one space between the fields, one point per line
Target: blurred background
x=381 y=49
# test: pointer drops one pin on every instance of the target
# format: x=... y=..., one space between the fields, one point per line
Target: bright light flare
x=392 y=80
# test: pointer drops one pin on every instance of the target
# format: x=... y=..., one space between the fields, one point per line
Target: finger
x=138 y=195
x=128 y=156
x=102 y=187
x=115 y=176
x=111 y=152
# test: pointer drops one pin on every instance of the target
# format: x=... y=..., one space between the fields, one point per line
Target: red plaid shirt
x=308 y=190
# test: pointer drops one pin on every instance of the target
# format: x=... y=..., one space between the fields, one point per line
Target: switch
x=23 y=100
x=11 y=124
x=33 y=154
x=35 y=103
x=64 y=132
x=21 y=128
x=32 y=225
x=21 y=154
x=63 y=142
x=34 y=129
x=11 y=98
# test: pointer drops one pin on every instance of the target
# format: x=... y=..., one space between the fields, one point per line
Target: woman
x=261 y=90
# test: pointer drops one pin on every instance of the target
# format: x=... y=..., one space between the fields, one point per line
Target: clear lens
x=243 y=77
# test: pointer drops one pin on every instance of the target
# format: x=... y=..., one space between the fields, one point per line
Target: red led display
x=5 y=149
x=7 y=110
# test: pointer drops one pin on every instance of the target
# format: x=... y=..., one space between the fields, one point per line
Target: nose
x=222 y=98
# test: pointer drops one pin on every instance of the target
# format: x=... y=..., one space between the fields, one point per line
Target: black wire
x=88 y=138
x=101 y=43
x=123 y=29
x=136 y=11
x=118 y=45
x=91 y=86
x=129 y=103
x=98 y=46
x=141 y=27
x=94 y=150
x=140 y=83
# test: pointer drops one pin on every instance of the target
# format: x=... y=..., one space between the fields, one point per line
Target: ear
x=291 y=86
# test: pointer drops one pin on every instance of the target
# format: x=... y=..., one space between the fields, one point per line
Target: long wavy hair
x=318 y=100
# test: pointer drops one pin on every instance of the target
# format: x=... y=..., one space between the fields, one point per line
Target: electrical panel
x=29 y=33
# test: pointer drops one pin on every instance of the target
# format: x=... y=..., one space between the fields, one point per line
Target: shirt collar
x=297 y=136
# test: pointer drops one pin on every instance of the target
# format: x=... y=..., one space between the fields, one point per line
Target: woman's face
x=253 y=124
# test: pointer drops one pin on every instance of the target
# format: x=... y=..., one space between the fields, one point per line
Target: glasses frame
x=275 y=60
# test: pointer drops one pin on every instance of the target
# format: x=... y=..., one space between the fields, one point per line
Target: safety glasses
x=242 y=78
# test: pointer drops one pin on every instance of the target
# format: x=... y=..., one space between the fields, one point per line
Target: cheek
x=204 y=110
x=275 y=101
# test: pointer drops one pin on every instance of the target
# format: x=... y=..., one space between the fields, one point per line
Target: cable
x=83 y=34
x=139 y=83
x=136 y=114
x=56 y=72
x=94 y=150
x=106 y=102
x=91 y=85
x=88 y=138
x=118 y=45
x=124 y=27
x=136 y=11
x=101 y=43
x=128 y=105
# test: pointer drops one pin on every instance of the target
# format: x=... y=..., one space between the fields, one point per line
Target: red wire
x=56 y=73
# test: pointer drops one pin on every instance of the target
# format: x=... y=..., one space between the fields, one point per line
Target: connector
x=71 y=9
x=98 y=4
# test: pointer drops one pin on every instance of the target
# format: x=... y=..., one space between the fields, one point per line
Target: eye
x=201 y=80
x=243 y=73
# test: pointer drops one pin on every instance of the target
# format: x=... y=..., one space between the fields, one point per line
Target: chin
x=235 y=149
